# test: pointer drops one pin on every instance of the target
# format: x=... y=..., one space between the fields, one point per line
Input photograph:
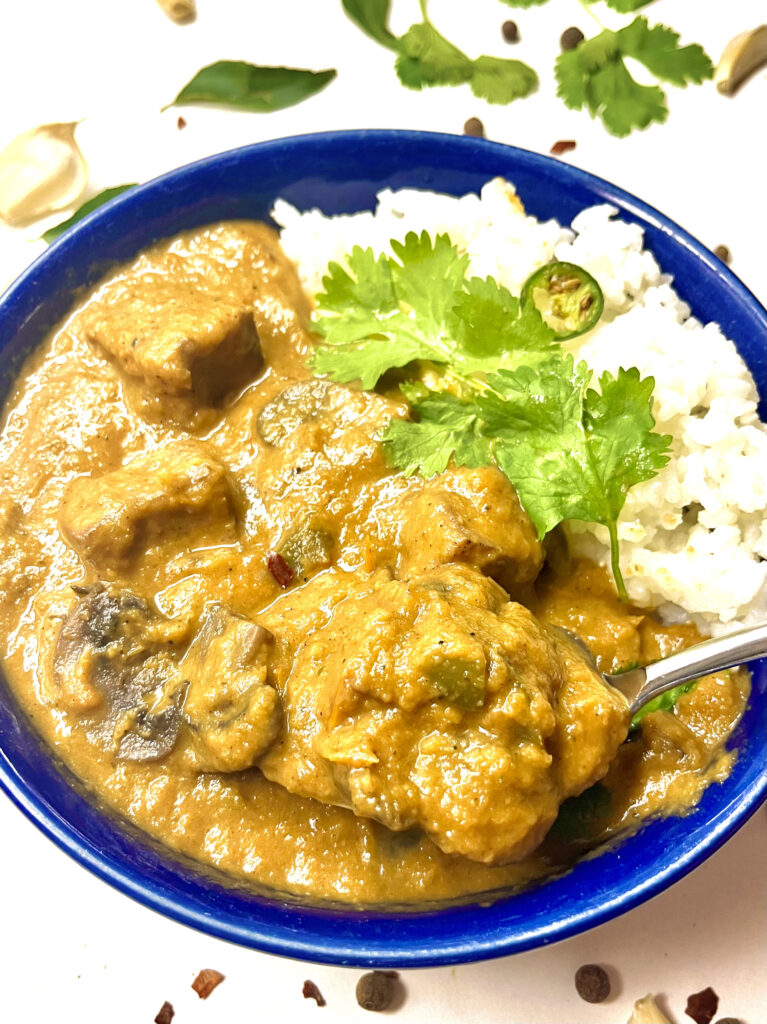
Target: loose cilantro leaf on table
x=503 y=392
x=594 y=75
x=383 y=313
x=524 y=3
x=426 y=58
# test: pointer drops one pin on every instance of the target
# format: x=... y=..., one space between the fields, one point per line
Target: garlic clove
x=179 y=10
x=740 y=58
x=41 y=171
x=646 y=1011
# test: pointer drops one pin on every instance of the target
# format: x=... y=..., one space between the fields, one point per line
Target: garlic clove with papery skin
x=647 y=1011
x=179 y=10
x=41 y=171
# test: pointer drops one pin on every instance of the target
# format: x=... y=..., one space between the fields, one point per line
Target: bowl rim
x=327 y=947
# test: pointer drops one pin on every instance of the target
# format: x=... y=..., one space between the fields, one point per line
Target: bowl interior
x=341 y=173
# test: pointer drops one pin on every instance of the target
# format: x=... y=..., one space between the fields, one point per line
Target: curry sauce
x=249 y=636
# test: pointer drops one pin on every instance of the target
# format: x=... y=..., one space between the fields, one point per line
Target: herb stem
x=587 y=6
x=424 y=15
x=615 y=561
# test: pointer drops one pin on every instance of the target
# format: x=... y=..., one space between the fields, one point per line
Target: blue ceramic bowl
x=341 y=173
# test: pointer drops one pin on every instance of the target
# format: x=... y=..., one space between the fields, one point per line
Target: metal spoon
x=641 y=685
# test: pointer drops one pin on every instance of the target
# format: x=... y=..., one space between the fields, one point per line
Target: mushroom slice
x=233 y=713
x=111 y=665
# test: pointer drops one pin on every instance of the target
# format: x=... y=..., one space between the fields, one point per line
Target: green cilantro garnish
x=504 y=393
x=594 y=75
x=663 y=702
x=387 y=312
x=425 y=58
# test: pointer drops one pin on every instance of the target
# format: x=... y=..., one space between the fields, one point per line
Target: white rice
x=694 y=538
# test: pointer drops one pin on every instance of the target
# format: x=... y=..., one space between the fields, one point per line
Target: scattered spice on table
x=166 y=1014
x=474 y=127
x=206 y=981
x=311 y=991
x=562 y=146
x=510 y=31
x=280 y=569
x=702 y=1006
x=723 y=253
x=592 y=983
x=375 y=990
x=570 y=38
x=181 y=123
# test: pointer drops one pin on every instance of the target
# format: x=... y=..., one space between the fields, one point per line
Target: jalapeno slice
x=567 y=297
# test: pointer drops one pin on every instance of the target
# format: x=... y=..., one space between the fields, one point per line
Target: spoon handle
x=641 y=685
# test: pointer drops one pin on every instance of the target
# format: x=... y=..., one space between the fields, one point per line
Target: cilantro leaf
x=626 y=6
x=594 y=75
x=501 y=81
x=572 y=452
x=659 y=50
x=663 y=702
x=383 y=313
x=372 y=16
x=524 y=3
x=427 y=58
x=448 y=428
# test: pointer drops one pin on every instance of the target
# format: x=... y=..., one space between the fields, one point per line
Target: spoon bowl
x=641 y=685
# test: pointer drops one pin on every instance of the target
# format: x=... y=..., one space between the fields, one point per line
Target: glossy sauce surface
x=136 y=468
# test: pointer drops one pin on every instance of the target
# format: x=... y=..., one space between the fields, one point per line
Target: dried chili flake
x=280 y=569
x=311 y=991
x=181 y=123
x=166 y=1014
x=702 y=1006
x=563 y=146
x=206 y=981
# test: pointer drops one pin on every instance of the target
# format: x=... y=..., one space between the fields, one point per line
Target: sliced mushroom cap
x=109 y=664
x=233 y=713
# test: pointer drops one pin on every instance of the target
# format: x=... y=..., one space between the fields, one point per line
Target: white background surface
x=71 y=949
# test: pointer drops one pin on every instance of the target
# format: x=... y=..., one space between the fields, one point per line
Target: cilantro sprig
x=426 y=58
x=593 y=77
x=505 y=394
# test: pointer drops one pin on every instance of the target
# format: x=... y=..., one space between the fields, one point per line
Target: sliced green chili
x=567 y=297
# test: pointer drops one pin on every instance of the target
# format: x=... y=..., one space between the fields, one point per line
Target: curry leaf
x=233 y=83
x=92 y=204
x=372 y=16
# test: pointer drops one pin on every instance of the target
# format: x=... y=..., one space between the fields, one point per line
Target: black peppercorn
x=510 y=31
x=375 y=990
x=570 y=38
x=592 y=983
x=474 y=127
